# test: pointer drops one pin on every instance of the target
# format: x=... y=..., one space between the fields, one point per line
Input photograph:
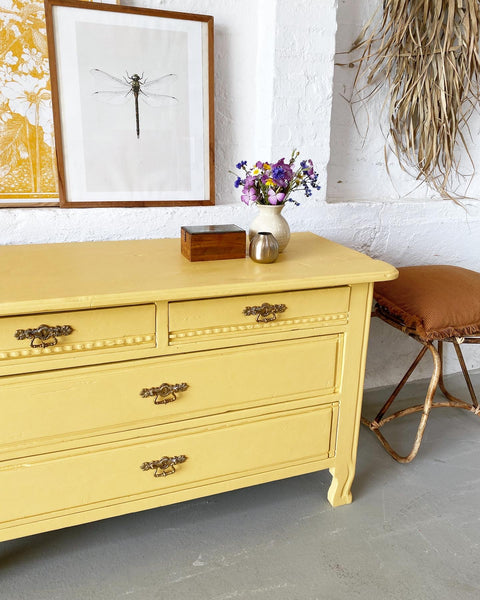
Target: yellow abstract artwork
x=27 y=151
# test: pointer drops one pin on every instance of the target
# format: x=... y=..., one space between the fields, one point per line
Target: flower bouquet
x=272 y=184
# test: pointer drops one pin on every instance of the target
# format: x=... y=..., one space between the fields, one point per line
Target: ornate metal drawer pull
x=165 y=466
x=41 y=335
x=266 y=312
x=165 y=391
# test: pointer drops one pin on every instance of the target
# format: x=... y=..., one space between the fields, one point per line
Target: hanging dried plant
x=426 y=51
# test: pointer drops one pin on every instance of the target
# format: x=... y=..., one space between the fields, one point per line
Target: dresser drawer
x=47 y=407
x=61 y=334
x=217 y=319
x=112 y=473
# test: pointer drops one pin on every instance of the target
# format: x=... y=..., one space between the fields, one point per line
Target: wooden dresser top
x=46 y=277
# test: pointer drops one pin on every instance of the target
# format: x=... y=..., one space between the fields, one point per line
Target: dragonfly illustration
x=118 y=90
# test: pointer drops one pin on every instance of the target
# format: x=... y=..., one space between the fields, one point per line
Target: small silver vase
x=263 y=248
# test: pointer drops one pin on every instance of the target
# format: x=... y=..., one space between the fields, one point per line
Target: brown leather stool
x=436 y=303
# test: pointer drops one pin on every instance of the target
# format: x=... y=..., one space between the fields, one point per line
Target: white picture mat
x=103 y=159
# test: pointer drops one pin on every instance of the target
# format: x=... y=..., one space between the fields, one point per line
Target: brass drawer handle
x=165 y=466
x=266 y=312
x=165 y=391
x=41 y=335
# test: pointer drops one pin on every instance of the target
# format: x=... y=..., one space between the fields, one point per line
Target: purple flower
x=282 y=173
x=275 y=197
x=249 y=195
x=238 y=182
x=241 y=164
x=249 y=182
x=307 y=167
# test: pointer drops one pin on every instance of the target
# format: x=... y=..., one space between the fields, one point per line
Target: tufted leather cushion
x=436 y=301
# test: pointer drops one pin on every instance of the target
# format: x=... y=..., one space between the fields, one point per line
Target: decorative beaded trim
x=319 y=320
x=132 y=340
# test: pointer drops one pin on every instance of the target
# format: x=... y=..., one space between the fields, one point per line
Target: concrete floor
x=412 y=532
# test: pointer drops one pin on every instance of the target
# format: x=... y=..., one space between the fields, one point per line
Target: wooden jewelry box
x=213 y=242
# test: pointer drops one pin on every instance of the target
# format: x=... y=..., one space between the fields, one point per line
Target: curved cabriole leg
x=339 y=491
x=425 y=408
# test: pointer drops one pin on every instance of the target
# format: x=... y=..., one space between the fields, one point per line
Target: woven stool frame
x=436 y=381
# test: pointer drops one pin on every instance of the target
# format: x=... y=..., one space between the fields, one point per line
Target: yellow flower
x=256 y=171
x=270 y=182
x=266 y=166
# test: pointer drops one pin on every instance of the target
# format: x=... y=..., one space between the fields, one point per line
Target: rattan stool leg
x=425 y=407
x=453 y=400
x=405 y=378
x=466 y=375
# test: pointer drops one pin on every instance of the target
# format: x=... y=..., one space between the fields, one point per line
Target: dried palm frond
x=426 y=51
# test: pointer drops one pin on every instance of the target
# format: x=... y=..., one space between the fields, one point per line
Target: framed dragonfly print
x=28 y=172
x=132 y=92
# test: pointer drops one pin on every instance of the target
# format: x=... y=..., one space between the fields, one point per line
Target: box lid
x=202 y=229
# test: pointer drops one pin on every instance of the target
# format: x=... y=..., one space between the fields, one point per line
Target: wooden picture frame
x=132 y=92
x=28 y=169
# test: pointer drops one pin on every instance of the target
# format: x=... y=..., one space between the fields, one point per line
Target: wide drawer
x=47 y=407
x=44 y=336
x=113 y=473
x=217 y=319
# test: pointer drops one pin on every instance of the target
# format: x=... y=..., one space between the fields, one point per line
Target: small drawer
x=217 y=319
x=45 y=408
x=61 y=334
x=112 y=473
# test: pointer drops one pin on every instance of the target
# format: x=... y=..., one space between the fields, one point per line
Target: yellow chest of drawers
x=131 y=378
